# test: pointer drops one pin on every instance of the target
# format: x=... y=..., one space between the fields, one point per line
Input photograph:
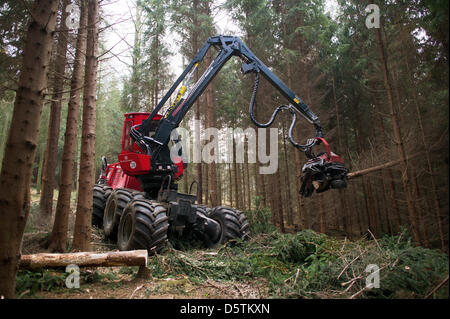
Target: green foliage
x=259 y=219
x=298 y=248
x=29 y=282
x=96 y=276
x=311 y=265
x=150 y=73
x=129 y=270
x=109 y=122
x=14 y=16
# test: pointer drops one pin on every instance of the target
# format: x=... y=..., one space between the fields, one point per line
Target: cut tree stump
x=85 y=259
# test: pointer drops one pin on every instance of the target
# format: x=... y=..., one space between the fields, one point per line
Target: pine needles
x=311 y=265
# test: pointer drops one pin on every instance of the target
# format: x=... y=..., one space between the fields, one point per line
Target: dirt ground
x=123 y=282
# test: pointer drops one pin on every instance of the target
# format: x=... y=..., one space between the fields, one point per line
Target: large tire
x=101 y=194
x=114 y=207
x=204 y=209
x=245 y=226
x=232 y=223
x=143 y=225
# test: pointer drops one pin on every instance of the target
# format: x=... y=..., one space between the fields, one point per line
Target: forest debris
x=373 y=236
x=437 y=288
x=23 y=293
x=348 y=265
x=296 y=276
x=239 y=290
x=358 y=293
x=134 y=291
x=85 y=259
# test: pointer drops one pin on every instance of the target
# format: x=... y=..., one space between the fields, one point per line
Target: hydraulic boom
x=323 y=169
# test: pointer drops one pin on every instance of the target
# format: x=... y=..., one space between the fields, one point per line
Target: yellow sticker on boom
x=296 y=100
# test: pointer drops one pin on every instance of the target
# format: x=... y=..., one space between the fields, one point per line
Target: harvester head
x=323 y=172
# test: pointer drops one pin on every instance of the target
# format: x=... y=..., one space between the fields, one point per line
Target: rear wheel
x=143 y=225
x=233 y=223
x=101 y=194
x=245 y=226
x=114 y=207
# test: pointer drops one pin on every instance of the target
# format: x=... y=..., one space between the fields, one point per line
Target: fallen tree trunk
x=85 y=259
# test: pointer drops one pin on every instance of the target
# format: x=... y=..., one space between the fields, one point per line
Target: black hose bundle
x=304 y=148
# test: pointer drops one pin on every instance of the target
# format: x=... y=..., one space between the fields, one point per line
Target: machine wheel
x=143 y=225
x=245 y=226
x=230 y=221
x=101 y=194
x=204 y=209
x=114 y=207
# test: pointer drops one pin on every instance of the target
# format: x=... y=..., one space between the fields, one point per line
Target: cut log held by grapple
x=85 y=259
x=379 y=167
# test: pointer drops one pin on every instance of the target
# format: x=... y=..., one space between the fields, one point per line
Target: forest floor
x=116 y=282
x=269 y=265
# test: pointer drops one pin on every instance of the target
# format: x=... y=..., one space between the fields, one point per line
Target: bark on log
x=85 y=259
x=379 y=167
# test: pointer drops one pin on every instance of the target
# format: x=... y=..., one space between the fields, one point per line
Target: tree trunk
x=243 y=186
x=260 y=186
x=414 y=185
x=322 y=222
x=205 y=184
x=434 y=190
x=136 y=59
x=211 y=122
x=48 y=179
x=289 y=203
x=20 y=150
x=85 y=259
x=58 y=238
x=230 y=180
x=195 y=48
x=387 y=178
x=248 y=186
x=376 y=168
x=398 y=138
x=219 y=185
x=236 y=180
x=41 y=166
x=341 y=193
x=82 y=230
x=3 y=138
x=279 y=199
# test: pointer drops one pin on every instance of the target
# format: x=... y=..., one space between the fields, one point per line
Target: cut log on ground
x=85 y=259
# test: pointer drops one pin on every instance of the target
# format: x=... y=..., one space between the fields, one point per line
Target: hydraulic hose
x=302 y=147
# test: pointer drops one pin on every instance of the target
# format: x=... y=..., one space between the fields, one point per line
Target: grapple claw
x=323 y=172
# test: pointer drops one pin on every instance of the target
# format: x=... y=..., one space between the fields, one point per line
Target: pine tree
x=15 y=177
x=82 y=229
x=50 y=164
x=58 y=237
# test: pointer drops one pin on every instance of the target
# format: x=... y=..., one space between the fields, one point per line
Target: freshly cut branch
x=85 y=259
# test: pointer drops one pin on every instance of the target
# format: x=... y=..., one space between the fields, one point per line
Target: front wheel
x=114 y=207
x=101 y=195
x=143 y=225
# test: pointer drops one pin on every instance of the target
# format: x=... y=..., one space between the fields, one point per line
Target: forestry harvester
x=136 y=200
